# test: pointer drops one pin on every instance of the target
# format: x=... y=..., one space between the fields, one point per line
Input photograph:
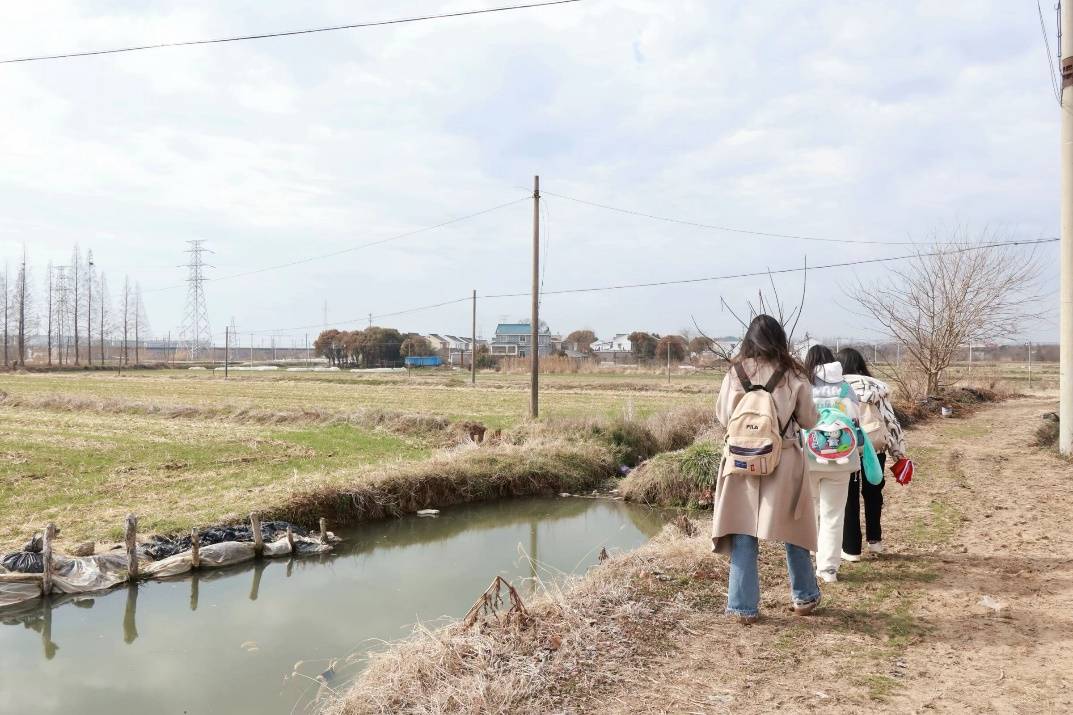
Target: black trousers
x=873 y=510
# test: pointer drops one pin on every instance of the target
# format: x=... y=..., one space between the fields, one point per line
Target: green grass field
x=85 y=448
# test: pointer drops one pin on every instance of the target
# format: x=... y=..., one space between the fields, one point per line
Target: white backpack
x=873 y=425
x=754 y=434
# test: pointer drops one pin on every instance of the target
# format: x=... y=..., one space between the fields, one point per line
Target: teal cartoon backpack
x=832 y=444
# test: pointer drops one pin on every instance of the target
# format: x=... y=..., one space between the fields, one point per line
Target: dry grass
x=580 y=640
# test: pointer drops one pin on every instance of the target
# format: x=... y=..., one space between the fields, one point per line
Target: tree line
x=74 y=309
x=648 y=346
x=372 y=347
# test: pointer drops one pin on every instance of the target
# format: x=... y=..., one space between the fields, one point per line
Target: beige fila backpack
x=754 y=434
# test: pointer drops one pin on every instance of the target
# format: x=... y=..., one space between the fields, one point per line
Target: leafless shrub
x=947 y=297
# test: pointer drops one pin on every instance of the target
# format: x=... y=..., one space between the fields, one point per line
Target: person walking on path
x=832 y=478
x=763 y=490
x=881 y=424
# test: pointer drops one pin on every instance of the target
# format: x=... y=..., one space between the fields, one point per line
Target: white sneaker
x=876 y=547
x=850 y=557
x=829 y=576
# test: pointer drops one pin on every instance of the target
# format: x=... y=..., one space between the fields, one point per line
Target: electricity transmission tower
x=196 y=332
x=62 y=310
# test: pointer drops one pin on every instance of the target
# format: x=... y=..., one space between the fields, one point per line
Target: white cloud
x=846 y=120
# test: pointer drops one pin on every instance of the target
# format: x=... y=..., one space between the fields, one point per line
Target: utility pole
x=473 y=343
x=668 y=363
x=307 y=348
x=1065 y=410
x=227 y=348
x=370 y=320
x=534 y=327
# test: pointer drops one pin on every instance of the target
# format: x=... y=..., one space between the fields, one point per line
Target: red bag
x=903 y=471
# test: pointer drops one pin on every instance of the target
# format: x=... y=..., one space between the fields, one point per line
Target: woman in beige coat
x=779 y=506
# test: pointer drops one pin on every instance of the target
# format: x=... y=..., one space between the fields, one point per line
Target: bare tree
x=7 y=315
x=22 y=299
x=941 y=300
x=102 y=311
x=89 y=308
x=141 y=323
x=126 y=318
x=76 y=271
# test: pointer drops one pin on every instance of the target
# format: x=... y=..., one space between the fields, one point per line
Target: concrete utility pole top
x=1065 y=433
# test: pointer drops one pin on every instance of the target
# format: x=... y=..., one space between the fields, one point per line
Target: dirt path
x=987 y=517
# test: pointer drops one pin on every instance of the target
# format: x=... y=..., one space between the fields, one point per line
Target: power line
x=351 y=249
x=750 y=232
x=1050 y=58
x=289 y=33
x=681 y=281
x=757 y=274
x=363 y=318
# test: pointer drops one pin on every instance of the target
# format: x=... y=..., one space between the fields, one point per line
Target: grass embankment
x=182 y=451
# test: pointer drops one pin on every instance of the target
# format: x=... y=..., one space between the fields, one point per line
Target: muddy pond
x=255 y=638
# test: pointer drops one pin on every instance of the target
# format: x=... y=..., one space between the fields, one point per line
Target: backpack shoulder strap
x=775 y=380
x=743 y=377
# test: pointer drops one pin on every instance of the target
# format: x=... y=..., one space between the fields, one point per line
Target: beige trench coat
x=780 y=506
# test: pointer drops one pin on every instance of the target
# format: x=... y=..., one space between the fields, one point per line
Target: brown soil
x=986 y=516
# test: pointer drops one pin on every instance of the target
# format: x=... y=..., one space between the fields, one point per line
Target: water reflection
x=198 y=628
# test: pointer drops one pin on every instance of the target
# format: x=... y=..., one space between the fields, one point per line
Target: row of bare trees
x=74 y=309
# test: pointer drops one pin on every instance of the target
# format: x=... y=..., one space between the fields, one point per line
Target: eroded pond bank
x=230 y=640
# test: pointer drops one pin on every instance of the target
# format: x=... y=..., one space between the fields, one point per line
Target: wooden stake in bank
x=258 y=538
x=46 y=560
x=195 y=549
x=534 y=328
x=132 y=546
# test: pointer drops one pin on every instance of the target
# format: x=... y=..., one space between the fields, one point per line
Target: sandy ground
x=988 y=518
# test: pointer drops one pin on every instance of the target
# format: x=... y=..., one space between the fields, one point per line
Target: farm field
x=183 y=448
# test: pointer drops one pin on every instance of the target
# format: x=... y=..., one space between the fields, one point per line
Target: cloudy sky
x=871 y=121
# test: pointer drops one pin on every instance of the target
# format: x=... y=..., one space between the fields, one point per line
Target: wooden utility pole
x=473 y=343
x=534 y=332
x=1065 y=410
x=227 y=348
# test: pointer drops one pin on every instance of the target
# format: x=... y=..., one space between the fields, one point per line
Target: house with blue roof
x=514 y=339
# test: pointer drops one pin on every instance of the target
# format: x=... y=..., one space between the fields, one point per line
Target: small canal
x=255 y=638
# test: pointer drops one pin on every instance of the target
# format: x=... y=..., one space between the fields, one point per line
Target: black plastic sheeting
x=29 y=560
x=161 y=547
x=24 y=562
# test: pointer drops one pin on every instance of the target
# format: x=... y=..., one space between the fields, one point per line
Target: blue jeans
x=743 y=593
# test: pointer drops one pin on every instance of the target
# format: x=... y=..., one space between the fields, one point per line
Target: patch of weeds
x=939 y=526
x=880 y=687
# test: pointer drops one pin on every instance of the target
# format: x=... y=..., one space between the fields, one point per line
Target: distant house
x=618 y=344
x=618 y=349
x=454 y=350
x=514 y=339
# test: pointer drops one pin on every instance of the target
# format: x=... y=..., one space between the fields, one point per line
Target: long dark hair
x=765 y=341
x=853 y=362
x=817 y=355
